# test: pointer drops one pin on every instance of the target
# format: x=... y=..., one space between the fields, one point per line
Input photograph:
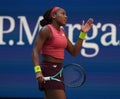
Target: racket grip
x=46 y=78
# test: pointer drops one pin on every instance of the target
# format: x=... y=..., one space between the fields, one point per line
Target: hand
x=87 y=26
x=40 y=77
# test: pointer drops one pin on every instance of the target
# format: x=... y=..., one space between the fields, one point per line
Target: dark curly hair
x=46 y=18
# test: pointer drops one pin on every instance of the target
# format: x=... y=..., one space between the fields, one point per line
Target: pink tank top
x=56 y=44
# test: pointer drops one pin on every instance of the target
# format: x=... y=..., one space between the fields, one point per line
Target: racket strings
x=73 y=76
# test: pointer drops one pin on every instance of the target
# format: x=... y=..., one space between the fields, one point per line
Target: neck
x=56 y=26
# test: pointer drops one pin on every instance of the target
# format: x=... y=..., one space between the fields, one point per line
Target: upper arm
x=42 y=36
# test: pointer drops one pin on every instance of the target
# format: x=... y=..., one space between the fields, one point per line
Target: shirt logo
x=63 y=34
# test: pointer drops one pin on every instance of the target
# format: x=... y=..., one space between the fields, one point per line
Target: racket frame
x=60 y=74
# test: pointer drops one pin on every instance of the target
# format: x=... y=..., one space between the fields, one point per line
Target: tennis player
x=51 y=43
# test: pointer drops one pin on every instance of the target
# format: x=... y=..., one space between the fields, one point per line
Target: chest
x=59 y=40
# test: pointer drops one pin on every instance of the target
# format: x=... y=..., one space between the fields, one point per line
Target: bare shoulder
x=45 y=32
x=45 y=29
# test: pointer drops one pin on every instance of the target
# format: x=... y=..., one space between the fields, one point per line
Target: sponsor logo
x=24 y=29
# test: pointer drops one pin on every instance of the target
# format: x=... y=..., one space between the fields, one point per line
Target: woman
x=51 y=42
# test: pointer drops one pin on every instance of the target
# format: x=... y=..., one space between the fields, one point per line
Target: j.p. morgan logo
x=24 y=29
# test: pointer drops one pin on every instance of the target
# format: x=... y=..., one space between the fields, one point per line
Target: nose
x=66 y=16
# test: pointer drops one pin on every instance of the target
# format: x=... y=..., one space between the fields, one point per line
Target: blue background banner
x=100 y=54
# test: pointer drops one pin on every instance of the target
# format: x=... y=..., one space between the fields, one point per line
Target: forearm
x=75 y=49
x=36 y=62
x=35 y=58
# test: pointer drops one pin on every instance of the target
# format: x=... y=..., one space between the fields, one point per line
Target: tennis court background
x=101 y=58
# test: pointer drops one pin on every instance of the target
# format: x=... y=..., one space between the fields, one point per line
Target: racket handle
x=46 y=78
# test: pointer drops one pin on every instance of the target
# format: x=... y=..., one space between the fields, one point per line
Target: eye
x=63 y=13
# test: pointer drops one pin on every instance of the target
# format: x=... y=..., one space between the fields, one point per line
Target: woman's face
x=61 y=17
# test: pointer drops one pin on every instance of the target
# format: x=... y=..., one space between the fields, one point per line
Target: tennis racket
x=74 y=75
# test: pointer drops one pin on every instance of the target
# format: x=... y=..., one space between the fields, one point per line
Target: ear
x=54 y=16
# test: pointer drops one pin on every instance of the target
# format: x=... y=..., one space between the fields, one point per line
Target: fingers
x=40 y=77
x=90 y=21
x=87 y=26
x=83 y=22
